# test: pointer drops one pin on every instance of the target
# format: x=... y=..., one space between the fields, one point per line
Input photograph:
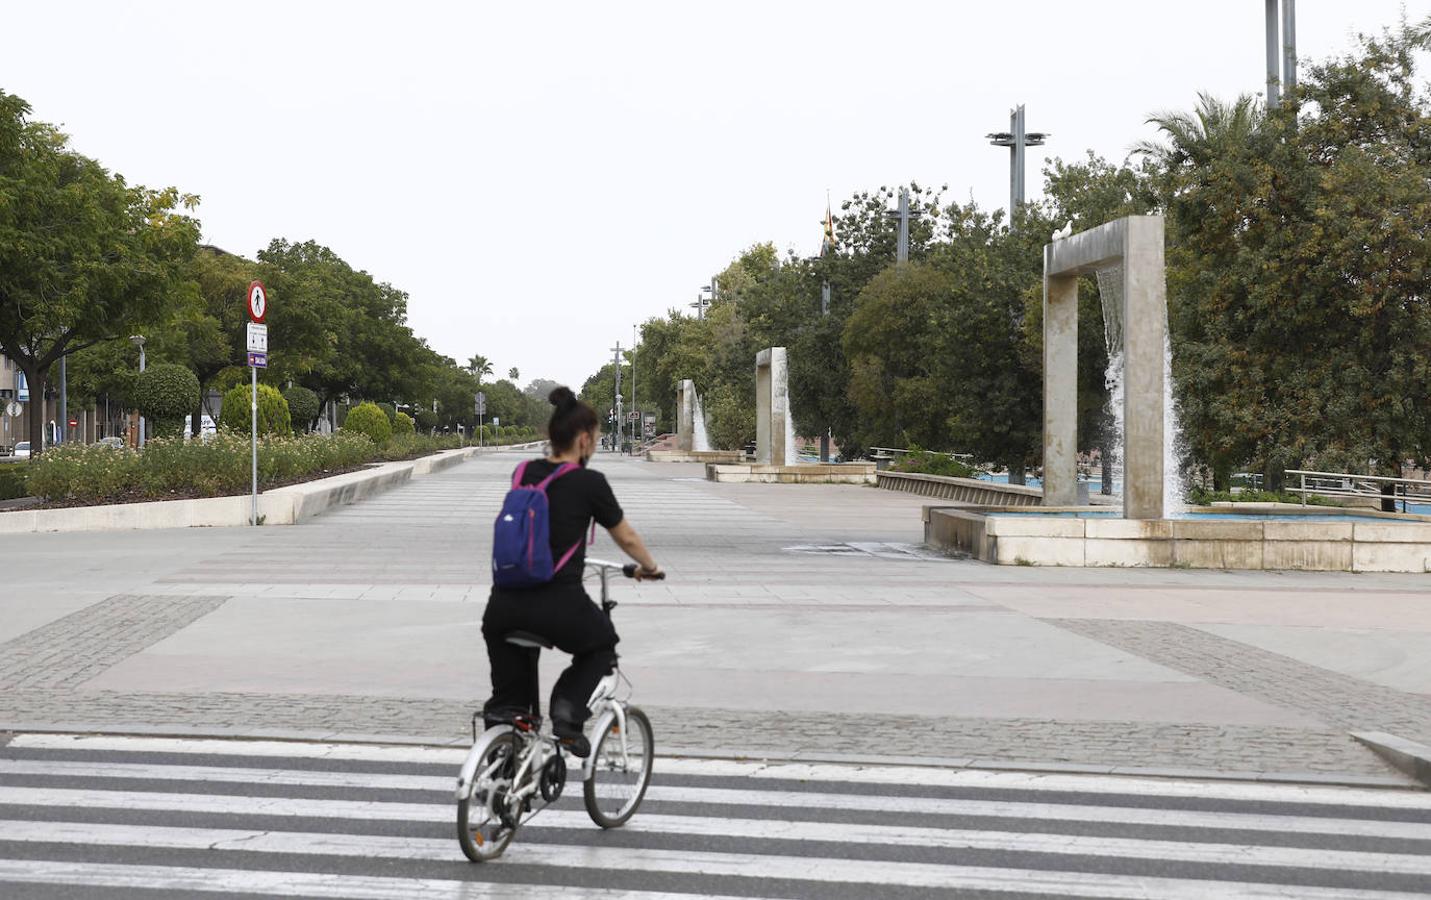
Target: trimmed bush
x=369 y=419
x=388 y=410
x=303 y=406
x=402 y=424
x=165 y=393
x=273 y=415
x=12 y=481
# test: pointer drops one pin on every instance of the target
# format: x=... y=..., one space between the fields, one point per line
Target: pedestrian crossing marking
x=722 y=828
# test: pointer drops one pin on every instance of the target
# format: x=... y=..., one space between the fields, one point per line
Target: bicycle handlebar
x=628 y=569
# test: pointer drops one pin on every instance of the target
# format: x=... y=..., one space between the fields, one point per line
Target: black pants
x=564 y=615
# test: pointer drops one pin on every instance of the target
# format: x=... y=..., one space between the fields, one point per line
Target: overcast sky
x=542 y=176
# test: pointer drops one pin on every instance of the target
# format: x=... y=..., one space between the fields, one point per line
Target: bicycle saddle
x=527 y=639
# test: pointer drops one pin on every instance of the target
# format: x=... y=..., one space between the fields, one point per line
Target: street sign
x=258 y=360
x=257 y=338
x=14 y=410
x=496 y=421
x=74 y=423
x=481 y=403
x=257 y=301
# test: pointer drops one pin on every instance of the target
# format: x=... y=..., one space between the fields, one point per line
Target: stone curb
x=1410 y=757
x=845 y=759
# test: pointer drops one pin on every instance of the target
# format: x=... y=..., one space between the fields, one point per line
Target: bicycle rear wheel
x=621 y=770
x=480 y=827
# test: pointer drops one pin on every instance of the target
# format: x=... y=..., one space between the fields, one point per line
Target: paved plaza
x=798 y=621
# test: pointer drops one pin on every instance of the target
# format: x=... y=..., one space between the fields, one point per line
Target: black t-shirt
x=573 y=500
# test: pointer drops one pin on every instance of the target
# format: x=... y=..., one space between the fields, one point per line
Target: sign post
x=481 y=410
x=257 y=359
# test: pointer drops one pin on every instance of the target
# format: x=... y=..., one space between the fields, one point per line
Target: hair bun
x=562 y=398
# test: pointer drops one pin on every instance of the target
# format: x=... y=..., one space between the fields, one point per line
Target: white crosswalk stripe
x=83 y=816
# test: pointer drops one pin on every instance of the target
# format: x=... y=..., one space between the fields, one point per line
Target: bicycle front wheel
x=482 y=829
x=621 y=770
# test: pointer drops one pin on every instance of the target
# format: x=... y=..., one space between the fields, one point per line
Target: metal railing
x=1371 y=487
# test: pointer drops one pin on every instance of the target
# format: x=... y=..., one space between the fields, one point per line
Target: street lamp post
x=138 y=341
x=1016 y=139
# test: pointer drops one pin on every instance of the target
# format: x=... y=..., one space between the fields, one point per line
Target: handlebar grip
x=629 y=570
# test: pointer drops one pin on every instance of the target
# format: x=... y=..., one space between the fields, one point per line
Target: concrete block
x=1409 y=756
x=1128 y=552
x=1194 y=530
x=1040 y=551
x=1392 y=531
x=1129 y=529
x=1314 y=556
x=1307 y=531
x=1391 y=557
x=1218 y=554
x=953 y=530
x=1036 y=526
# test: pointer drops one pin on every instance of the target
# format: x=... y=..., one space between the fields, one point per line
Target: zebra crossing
x=99 y=816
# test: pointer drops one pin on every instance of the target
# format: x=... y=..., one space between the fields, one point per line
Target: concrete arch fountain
x=1127 y=254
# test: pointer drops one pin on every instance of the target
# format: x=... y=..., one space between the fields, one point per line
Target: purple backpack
x=521 y=541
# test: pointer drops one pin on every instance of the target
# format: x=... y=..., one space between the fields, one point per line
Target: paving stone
x=71 y=650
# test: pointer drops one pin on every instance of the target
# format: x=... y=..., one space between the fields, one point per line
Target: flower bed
x=172 y=468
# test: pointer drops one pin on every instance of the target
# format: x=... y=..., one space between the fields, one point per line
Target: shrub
x=12 y=481
x=172 y=466
x=303 y=405
x=402 y=424
x=389 y=410
x=164 y=394
x=84 y=471
x=926 y=462
x=273 y=415
x=1198 y=496
x=369 y=419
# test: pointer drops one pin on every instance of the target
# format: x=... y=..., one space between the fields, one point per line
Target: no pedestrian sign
x=257 y=301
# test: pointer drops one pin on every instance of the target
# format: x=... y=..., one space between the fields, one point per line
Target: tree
x=892 y=352
x=514 y=374
x=302 y=405
x=83 y=255
x=165 y=393
x=479 y=367
x=988 y=355
x=1299 y=269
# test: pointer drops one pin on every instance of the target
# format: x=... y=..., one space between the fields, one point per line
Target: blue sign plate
x=258 y=360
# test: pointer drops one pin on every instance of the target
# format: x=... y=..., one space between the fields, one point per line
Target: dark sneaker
x=571 y=737
x=577 y=746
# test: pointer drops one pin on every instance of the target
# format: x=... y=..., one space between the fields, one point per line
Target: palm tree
x=1210 y=131
x=479 y=366
x=513 y=374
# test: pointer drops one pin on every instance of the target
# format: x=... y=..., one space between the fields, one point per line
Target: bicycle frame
x=533 y=757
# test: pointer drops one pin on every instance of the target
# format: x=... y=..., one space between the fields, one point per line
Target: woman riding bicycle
x=560 y=609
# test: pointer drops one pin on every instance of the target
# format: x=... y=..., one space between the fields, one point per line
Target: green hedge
x=168 y=467
x=402 y=424
x=273 y=415
x=407 y=446
x=369 y=419
x=12 y=480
